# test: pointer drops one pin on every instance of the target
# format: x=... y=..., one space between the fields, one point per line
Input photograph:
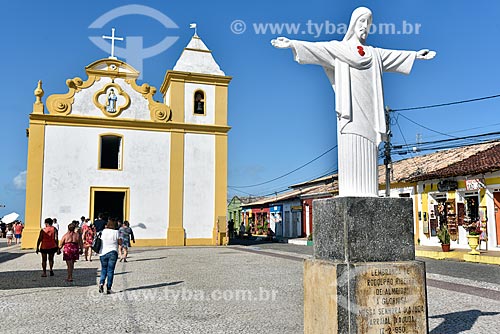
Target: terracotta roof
x=462 y=161
x=467 y=160
x=245 y=200
x=479 y=163
x=273 y=199
x=317 y=190
x=324 y=179
x=322 y=190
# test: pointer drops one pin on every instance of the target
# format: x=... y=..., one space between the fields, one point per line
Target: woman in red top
x=88 y=238
x=48 y=240
x=72 y=246
x=18 y=231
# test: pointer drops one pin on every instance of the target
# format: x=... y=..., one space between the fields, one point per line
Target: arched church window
x=110 y=152
x=199 y=102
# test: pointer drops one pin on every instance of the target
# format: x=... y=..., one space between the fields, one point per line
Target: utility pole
x=387 y=152
x=419 y=141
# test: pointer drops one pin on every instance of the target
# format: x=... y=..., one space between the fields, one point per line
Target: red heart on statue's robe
x=361 y=51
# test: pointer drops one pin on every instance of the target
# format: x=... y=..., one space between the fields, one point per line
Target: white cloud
x=20 y=181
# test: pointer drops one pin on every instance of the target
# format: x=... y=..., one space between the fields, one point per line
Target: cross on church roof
x=112 y=38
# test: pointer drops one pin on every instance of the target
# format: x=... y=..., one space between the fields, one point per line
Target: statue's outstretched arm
x=426 y=54
x=281 y=43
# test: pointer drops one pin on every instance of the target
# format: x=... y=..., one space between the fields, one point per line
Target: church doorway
x=113 y=202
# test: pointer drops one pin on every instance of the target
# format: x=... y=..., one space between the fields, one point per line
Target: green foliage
x=444 y=236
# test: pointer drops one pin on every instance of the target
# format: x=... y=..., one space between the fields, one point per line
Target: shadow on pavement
x=26 y=279
x=4 y=257
x=153 y=286
x=458 y=322
x=149 y=259
x=138 y=250
x=251 y=241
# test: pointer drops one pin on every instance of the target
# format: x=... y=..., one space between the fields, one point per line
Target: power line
x=488 y=134
x=402 y=135
x=442 y=147
x=276 y=192
x=400 y=131
x=271 y=191
x=427 y=128
x=469 y=129
x=235 y=188
x=423 y=126
x=330 y=171
x=241 y=191
x=286 y=174
x=448 y=103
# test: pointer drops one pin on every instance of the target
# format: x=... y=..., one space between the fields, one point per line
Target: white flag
x=192 y=25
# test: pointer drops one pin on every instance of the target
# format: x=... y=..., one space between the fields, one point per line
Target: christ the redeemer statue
x=355 y=72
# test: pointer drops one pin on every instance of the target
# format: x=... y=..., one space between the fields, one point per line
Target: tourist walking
x=242 y=230
x=99 y=223
x=230 y=228
x=88 y=238
x=55 y=224
x=3 y=228
x=18 y=231
x=47 y=245
x=108 y=255
x=9 y=234
x=125 y=234
x=72 y=246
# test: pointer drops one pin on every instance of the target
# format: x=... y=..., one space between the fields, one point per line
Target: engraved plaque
x=391 y=298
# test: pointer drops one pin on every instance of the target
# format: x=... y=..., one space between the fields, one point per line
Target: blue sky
x=281 y=113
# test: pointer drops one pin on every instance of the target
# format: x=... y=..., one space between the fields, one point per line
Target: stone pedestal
x=364 y=278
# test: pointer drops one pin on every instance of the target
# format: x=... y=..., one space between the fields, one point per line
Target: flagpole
x=194 y=26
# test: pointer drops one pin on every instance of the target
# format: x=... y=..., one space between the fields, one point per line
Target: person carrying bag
x=97 y=243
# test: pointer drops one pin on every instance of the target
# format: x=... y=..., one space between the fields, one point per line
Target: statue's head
x=361 y=20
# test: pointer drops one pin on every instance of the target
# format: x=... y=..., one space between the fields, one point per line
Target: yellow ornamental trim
x=112 y=68
x=38 y=105
x=105 y=107
x=159 y=112
x=60 y=104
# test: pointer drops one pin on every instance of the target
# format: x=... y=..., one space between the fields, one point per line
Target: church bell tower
x=196 y=91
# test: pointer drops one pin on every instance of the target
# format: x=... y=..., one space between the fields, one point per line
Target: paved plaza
x=235 y=289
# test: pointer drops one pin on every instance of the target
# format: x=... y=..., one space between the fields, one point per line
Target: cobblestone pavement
x=201 y=290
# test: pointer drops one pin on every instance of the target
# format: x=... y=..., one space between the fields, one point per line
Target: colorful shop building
x=456 y=188
x=281 y=213
x=324 y=187
x=289 y=214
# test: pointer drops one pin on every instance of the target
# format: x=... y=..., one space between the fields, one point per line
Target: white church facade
x=106 y=146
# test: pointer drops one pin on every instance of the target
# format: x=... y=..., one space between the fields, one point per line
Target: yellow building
x=455 y=187
x=107 y=146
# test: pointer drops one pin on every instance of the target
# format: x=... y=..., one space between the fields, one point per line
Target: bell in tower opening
x=199 y=103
